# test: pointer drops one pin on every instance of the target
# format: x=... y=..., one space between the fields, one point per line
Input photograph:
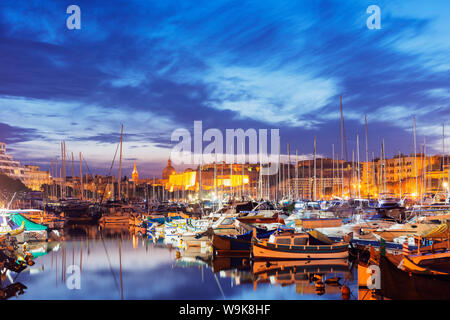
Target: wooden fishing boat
x=311 y=245
x=433 y=263
x=237 y=245
x=12 y=232
x=406 y=230
x=433 y=259
x=42 y=217
x=190 y=239
x=400 y=285
x=115 y=219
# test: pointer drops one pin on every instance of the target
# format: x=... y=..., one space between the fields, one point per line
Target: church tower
x=168 y=171
x=135 y=174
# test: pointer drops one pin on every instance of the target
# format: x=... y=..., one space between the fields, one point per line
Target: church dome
x=168 y=171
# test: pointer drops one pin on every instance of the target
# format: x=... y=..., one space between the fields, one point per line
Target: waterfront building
x=8 y=166
x=34 y=178
x=403 y=174
x=31 y=176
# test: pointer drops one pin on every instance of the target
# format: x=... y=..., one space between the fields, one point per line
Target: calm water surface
x=115 y=264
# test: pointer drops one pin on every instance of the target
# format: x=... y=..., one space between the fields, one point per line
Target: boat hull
x=281 y=252
x=400 y=285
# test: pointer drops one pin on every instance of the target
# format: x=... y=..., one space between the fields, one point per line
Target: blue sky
x=159 y=65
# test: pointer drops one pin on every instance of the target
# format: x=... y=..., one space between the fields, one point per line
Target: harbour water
x=116 y=264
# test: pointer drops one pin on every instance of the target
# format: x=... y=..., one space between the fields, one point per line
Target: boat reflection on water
x=13 y=290
x=332 y=277
x=117 y=263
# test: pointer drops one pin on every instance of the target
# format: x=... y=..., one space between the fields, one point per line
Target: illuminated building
x=404 y=175
x=135 y=174
x=168 y=170
x=226 y=177
x=30 y=176
x=34 y=178
x=8 y=166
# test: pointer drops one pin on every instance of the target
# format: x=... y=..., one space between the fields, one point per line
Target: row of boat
x=262 y=231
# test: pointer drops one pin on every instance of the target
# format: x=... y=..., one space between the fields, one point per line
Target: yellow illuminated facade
x=34 y=178
x=180 y=181
x=189 y=180
x=398 y=175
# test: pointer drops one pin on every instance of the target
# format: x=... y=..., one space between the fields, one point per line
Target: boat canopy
x=320 y=236
x=441 y=231
x=6 y=221
x=18 y=219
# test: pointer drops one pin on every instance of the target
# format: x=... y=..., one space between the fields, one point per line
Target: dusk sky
x=160 y=65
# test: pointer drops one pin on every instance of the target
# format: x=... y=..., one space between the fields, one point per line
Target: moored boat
x=311 y=245
x=237 y=244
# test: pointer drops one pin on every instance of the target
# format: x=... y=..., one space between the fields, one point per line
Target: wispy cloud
x=156 y=66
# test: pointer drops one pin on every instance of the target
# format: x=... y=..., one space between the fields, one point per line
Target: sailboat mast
x=53 y=176
x=296 y=174
x=231 y=181
x=314 y=181
x=81 y=180
x=215 y=177
x=415 y=154
x=358 y=168
x=56 y=176
x=279 y=171
x=289 y=173
x=65 y=170
x=384 y=167
x=400 y=160
x=367 y=160
x=332 y=162
x=200 y=181
x=120 y=165
x=303 y=180
x=242 y=171
x=73 y=175
x=353 y=173
x=260 y=184
x=443 y=154
x=321 y=179
x=61 y=181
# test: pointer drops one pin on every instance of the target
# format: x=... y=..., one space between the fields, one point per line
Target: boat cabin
x=290 y=239
x=296 y=239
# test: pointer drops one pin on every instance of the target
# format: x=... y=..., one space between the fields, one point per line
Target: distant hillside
x=10 y=185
